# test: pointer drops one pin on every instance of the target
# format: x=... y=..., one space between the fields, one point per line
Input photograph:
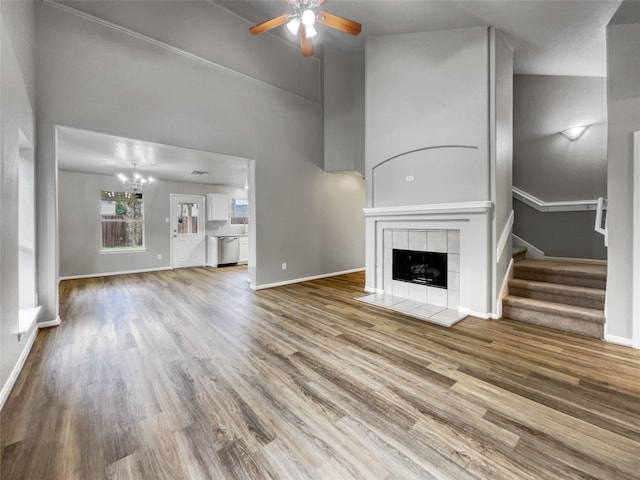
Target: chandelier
x=136 y=182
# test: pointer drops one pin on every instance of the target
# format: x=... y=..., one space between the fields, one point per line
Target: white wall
x=438 y=131
x=80 y=230
x=427 y=91
x=501 y=162
x=17 y=109
x=343 y=101
x=624 y=118
x=99 y=78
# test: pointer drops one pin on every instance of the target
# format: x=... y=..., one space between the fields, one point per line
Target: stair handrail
x=602 y=205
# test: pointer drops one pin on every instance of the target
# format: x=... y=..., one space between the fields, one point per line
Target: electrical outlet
x=284 y=266
x=159 y=256
x=410 y=178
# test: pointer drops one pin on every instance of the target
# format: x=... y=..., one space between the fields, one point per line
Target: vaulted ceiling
x=549 y=37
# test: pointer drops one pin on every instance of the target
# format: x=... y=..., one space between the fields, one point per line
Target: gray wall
x=624 y=118
x=553 y=168
x=95 y=77
x=559 y=234
x=546 y=164
x=79 y=222
x=427 y=91
x=343 y=99
x=17 y=111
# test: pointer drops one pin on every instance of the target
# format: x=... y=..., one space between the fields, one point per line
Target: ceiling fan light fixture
x=308 y=17
x=310 y=31
x=293 y=26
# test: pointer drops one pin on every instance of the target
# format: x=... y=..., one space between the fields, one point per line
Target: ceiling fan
x=300 y=21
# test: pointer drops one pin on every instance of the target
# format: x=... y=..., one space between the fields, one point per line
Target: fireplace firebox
x=423 y=268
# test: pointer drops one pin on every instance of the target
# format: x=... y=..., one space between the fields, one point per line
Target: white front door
x=187 y=231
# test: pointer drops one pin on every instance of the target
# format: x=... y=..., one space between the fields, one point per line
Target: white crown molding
x=562 y=206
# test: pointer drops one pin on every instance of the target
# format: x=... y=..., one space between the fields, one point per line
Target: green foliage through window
x=122 y=219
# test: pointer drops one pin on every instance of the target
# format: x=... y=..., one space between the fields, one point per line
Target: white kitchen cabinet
x=243 y=256
x=217 y=207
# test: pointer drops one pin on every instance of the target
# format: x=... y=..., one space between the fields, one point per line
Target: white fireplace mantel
x=472 y=219
x=439 y=208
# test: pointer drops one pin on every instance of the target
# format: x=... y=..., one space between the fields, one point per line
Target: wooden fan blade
x=269 y=24
x=306 y=46
x=339 y=23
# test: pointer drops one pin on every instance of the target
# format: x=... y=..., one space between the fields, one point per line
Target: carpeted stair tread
x=568 y=273
x=558 y=293
x=582 y=321
x=543 y=307
x=519 y=253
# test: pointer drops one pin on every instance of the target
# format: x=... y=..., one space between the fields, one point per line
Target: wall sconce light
x=574 y=133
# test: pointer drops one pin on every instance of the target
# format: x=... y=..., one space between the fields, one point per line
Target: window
x=239 y=211
x=122 y=218
x=187 y=218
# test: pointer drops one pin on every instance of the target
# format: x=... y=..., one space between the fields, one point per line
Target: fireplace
x=422 y=268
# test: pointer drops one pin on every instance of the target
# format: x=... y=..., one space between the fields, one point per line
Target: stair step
x=569 y=318
x=567 y=273
x=519 y=253
x=558 y=293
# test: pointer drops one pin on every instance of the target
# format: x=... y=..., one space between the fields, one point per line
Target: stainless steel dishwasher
x=228 y=250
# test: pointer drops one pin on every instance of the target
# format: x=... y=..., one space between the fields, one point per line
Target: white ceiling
x=91 y=152
x=549 y=37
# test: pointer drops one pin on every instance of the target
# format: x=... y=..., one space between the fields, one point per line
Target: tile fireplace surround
x=462 y=230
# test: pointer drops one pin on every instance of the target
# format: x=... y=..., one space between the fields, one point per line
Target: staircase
x=566 y=296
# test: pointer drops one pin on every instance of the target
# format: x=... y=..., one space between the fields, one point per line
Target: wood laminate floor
x=189 y=374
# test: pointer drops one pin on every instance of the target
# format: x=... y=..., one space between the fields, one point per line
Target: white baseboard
x=110 y=274
x=50 y=323
x=13 y=376
x=626 y=342
x=11 y=381
x=484 y=316
x=504 y=290
x=370 y=289
x=532 y=251
x=304 y=279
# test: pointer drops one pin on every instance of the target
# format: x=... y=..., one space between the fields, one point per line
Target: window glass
x=239 y=211
x=122 y=218
x=187 y=218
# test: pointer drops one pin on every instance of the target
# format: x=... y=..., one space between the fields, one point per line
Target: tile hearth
x=423 y=311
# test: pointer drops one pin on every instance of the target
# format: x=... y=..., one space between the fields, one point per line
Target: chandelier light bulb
x=135 y=183
x=308 y=17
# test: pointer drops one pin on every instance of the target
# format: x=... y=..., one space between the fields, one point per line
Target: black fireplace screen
x=424 y=268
